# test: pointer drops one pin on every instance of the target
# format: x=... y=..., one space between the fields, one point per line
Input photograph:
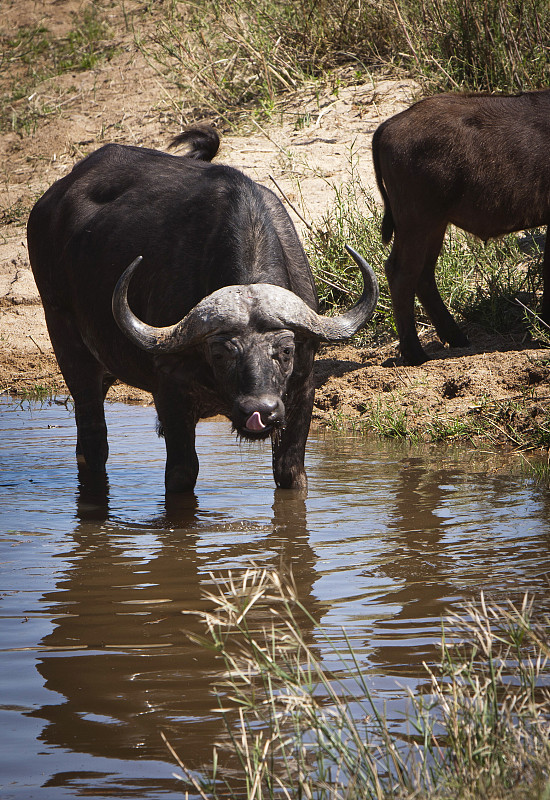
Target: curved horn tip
x=357 y=257
x=119 y=299
x=135 y=263
x=366 y=269
x=124 y=281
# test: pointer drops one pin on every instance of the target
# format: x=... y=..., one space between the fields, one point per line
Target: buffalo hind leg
x=289 y=444
x=428 y=294
x=403 y=270
x=86 y=380
x=177 y=423
x=545 y=309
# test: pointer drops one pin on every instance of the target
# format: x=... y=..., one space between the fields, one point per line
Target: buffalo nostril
x=268 y=407
x=274 y=416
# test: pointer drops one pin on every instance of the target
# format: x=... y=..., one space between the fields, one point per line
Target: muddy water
x=93 y=659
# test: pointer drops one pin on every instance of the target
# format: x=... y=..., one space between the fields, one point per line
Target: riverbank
x=496 y=390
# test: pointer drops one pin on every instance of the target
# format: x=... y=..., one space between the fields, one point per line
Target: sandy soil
x=124 y=100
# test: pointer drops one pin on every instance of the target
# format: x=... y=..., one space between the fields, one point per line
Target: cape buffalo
x=481 y=162
x=224 y=308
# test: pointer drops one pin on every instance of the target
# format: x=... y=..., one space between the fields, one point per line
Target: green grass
x=538 y=469
x=38 y=393
x=385 y=417
x=478 y=729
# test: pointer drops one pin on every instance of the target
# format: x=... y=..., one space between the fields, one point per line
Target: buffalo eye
x=284 y=352
x=222 y=351
x=218 y=353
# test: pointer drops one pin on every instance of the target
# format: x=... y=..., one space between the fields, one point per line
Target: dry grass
x=482 y=730
x=230 y=59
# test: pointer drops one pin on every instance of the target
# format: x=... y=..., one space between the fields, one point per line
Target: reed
x=480 y=729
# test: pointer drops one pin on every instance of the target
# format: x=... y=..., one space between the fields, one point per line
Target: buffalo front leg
x=289 y=444
x=92 y=448
x=86 y=380
x=177 y=423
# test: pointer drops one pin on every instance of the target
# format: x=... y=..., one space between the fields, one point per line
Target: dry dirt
x=124 y=100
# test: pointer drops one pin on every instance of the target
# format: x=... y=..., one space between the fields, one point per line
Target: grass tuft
x=480 y=729
x=243 y=56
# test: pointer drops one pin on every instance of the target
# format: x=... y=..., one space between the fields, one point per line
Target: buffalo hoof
x=293 y=481
x=94 y=465
x=407 y=361
x=459 y=339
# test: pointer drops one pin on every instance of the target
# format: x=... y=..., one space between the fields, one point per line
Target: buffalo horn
x=234 y=308
x=343 y=326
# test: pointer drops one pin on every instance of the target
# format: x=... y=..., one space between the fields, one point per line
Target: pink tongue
x=254 y=422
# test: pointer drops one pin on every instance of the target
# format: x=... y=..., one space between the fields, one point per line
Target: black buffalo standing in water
x=224 y=297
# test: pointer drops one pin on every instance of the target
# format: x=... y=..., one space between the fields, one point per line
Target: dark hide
x=480 y=162
x=199 y=227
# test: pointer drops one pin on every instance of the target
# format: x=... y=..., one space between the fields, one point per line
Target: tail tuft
x=387 y=219
x=387 y=225
x=203 y=142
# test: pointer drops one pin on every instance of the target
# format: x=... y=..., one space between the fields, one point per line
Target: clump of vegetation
x=228 y=60
x=39 y=393
x=487 y=45
x=16 y=213
x=244 y=55
x=479 y=729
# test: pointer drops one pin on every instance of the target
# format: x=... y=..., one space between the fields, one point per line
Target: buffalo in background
x=223 y=315
x=480 y=162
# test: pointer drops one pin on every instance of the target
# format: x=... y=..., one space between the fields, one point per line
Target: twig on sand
x=293 y=207
x=33 y=340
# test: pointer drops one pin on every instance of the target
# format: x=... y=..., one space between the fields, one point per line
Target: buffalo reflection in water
x=118 y=655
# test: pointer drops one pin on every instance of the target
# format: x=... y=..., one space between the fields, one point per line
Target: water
x=94 y=661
